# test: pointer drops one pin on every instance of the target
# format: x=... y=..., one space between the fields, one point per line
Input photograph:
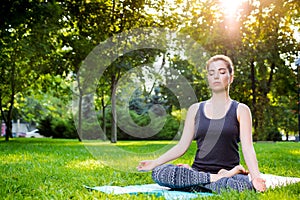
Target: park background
x=44 y=43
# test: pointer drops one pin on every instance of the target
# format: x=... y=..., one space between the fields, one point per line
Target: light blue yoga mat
x=154 y=189
x=272 y=181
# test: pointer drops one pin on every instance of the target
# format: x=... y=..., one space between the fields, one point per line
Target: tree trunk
x=113 y=110
x=253 y=87
x=113 y=138
x=8 y=133
x=79 y=127
x=298 y=92
x=103 y=114
x=8 y=119
x=80 y=118
x=4 y=118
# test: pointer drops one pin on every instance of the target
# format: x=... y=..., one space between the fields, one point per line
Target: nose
x=216 y=75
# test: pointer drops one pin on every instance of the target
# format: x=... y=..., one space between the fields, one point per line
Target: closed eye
x=211 y=72
x=222 y=71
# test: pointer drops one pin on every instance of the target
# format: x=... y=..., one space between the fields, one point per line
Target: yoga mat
x=154 y=189
x=272 y=181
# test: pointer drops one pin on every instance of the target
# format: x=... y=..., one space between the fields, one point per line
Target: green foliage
x=272 y=134
x=90 y=131
x=140 y=120
x=57 y=127
x=259 y=39
x=144 y=103
x=169 y=131
x=63 y=128
x=47 y=96
x=45 y=127
x=137 y=103
x=26 y=174
x=54 y=37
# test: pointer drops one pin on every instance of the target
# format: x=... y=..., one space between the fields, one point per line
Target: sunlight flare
x=230 y=7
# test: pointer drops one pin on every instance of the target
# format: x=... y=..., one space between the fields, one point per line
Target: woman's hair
x=224 y=58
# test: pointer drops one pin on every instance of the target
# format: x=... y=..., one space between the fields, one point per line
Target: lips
x=216 y=83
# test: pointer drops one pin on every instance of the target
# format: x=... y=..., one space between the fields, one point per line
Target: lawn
x=58 y=169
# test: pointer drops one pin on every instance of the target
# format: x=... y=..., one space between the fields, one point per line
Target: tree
x=260 y=41
x=92 y=23
x=56 y=37
x=48 y=96
x=269 y=44
x=127 y=15
x=20 y=63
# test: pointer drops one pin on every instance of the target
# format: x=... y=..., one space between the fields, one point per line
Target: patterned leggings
x=184 y=179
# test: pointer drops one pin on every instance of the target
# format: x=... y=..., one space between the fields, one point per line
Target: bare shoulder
x=193 y=108
x=243 y=107
x=243 y=110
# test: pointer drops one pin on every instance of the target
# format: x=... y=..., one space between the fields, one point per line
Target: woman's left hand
x=259 y=184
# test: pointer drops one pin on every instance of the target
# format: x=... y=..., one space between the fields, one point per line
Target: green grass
x=58 y=169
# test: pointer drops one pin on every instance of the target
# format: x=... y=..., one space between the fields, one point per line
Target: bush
x=64 y=128
x=271 y=134
x=168 y=131
x=57 y=128
x=44 y=126
x=90 y=131
x=274 y=136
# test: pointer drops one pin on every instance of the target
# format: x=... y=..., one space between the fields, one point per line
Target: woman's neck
x=220 y=98
x=217 y=106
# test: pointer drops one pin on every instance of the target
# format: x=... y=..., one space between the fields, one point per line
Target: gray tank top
x=217 y=140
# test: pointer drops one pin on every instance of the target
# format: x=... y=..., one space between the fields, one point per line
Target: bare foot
x=239 y=169
x=222 y=171
x=184 y=165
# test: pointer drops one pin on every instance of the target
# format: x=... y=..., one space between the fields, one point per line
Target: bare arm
x=245 y=119
x=180 y=148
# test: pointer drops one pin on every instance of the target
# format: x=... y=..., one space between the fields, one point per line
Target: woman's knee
x=161 y=171
x=237 y=183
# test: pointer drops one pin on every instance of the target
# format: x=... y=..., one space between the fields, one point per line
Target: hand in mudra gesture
x=146 y=165
x=259 y=184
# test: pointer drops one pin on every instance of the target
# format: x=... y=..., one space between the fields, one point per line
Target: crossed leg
x=239 y=169
x=180 y=177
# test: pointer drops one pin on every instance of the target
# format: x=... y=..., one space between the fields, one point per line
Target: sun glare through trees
x=231 y=6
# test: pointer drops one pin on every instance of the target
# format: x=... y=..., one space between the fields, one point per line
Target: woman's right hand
x=146 y=165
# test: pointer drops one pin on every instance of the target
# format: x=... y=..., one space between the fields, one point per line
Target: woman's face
x=218 y=76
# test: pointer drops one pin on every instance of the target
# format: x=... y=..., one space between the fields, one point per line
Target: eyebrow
x=222 y=68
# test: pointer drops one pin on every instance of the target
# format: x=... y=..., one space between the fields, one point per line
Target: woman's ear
x=231 y=78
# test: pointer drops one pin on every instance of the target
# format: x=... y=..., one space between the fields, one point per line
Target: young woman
x=217 y=124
